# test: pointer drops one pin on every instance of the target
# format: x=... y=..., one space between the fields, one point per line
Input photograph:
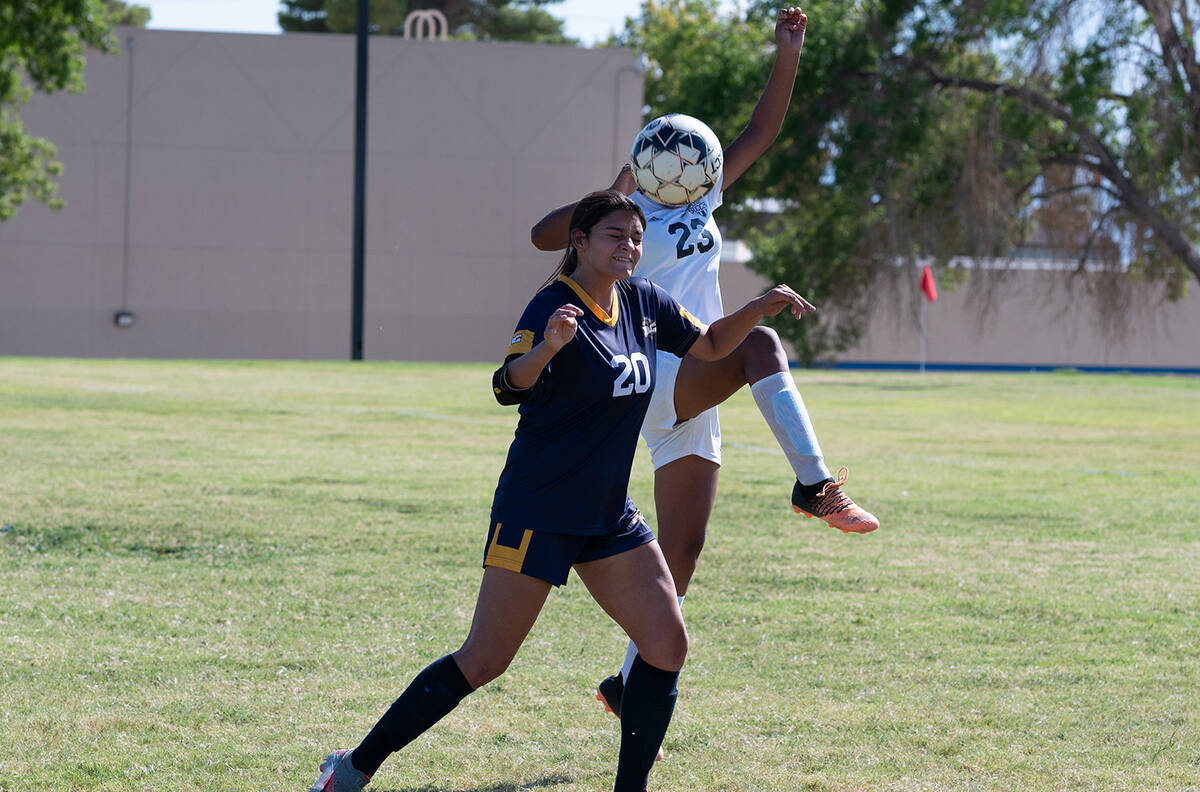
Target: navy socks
x=646 y=709
x=432 y=695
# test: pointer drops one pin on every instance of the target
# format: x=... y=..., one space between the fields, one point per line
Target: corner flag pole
x=360 y=179
x=929 y=289
x=924 y=313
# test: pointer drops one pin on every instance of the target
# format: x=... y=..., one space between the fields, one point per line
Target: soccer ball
x=676 y=159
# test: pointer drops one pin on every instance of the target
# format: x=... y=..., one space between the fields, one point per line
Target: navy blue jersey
x=569 y=462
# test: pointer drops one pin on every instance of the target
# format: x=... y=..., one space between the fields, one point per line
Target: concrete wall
x=241 y=184
x=1036 y=314
x=1042 y=314
x=240 y=213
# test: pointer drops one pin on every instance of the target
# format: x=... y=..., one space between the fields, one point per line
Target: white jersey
x=681 y=252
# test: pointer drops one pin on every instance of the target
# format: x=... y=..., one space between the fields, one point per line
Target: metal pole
x=128 y=179
x=924 y=312
x=360 y=179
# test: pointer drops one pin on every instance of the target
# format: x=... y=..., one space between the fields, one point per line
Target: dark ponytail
x=591 y=209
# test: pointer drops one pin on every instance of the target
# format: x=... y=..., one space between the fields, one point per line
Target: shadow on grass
x=175 y=541
x=547 y=781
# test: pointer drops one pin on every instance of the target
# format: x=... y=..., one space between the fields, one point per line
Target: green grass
x=216 y=572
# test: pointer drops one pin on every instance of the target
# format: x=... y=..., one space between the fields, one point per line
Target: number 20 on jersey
x=633 y=375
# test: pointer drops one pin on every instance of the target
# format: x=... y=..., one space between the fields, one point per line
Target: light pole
x=360 y=179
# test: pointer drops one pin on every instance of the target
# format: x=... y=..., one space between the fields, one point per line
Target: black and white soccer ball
x=676 y=159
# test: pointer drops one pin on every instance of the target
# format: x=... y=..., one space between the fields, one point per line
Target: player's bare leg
x=684 y=493
x=761 y=363
x=685 y=489
x=635 y=588
x=507 y=607
x=702 y=384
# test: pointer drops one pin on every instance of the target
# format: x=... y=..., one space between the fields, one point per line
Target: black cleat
x=609 y=694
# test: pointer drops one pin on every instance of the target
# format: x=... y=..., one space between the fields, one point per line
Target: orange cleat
x=834 y=506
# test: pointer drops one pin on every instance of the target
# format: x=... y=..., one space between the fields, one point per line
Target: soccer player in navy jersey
x=582 y=366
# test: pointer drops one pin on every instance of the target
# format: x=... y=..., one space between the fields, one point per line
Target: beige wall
x=240 y=221
x=241 y=194
x=1038 y=313
x=1035 y=317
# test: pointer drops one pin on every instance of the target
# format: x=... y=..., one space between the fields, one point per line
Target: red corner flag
x=928 y=285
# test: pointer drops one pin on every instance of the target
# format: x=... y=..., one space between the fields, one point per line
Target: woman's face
x=613 y=247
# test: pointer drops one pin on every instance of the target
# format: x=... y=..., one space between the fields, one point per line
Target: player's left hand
x=781 y=297
x=789 y=29
x=625 y=183
x=561 y=327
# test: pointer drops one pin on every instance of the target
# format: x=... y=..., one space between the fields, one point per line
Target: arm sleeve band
x=506 y=394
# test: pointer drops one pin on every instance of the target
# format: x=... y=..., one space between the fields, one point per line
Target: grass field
x=215 y=572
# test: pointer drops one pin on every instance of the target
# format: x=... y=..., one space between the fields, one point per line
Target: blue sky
x=586 y=20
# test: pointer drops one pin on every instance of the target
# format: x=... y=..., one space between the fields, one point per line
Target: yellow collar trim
x=600 y=313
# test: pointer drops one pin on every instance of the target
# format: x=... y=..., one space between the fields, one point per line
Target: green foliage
x=122 y=13
x=1108 y=119
x=41 y=48
x=504 y=20
x=27 y=165
x=924 y=130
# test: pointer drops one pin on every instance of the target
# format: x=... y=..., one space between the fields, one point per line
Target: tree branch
x=1177 y=50
x=1189 y=30
x=1074 y=188
x=1095 y=232
x=1105 y=163
x=1189 y=27
x=1074 y=162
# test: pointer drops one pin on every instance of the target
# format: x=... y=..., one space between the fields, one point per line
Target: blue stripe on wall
x=1000 y=367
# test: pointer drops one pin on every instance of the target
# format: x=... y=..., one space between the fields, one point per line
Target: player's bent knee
x=479 y=668
x=685 y=549
x=763 y=354
x=668 y=651
x=763 y=342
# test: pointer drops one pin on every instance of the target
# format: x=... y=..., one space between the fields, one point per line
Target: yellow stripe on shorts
x=510 y=558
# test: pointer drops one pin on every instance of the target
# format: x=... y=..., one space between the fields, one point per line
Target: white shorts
x=667 y=440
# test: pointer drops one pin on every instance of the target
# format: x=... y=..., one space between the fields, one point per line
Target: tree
x=1110 y=94
x=506 y=20
x=829 y=168
x=122 y=13
x=929 y=129
x=42 y=48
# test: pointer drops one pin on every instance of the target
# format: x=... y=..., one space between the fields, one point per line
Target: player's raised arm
x=550 y=233
x=723 y=336
x=560 y=329
x=767 y=118
x=512 y=381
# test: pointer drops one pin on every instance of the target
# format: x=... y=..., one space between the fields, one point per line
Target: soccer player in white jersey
x=681 y=253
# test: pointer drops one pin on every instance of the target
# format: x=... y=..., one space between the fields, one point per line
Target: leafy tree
x=1106 y=99
x=41 y=48
x=934 y=128
x=122 y=13
x=507 y=20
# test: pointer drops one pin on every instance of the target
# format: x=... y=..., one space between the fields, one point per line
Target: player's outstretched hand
x=781 y=297
x=562 y=326
x=625 y=183
x=789 y=29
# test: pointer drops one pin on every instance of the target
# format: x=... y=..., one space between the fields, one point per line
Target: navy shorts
x=549 y=556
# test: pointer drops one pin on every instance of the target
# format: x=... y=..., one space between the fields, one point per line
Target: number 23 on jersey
x=683 y=248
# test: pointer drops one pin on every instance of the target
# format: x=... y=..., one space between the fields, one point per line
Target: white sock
x=631 y=652
x=781 y=405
